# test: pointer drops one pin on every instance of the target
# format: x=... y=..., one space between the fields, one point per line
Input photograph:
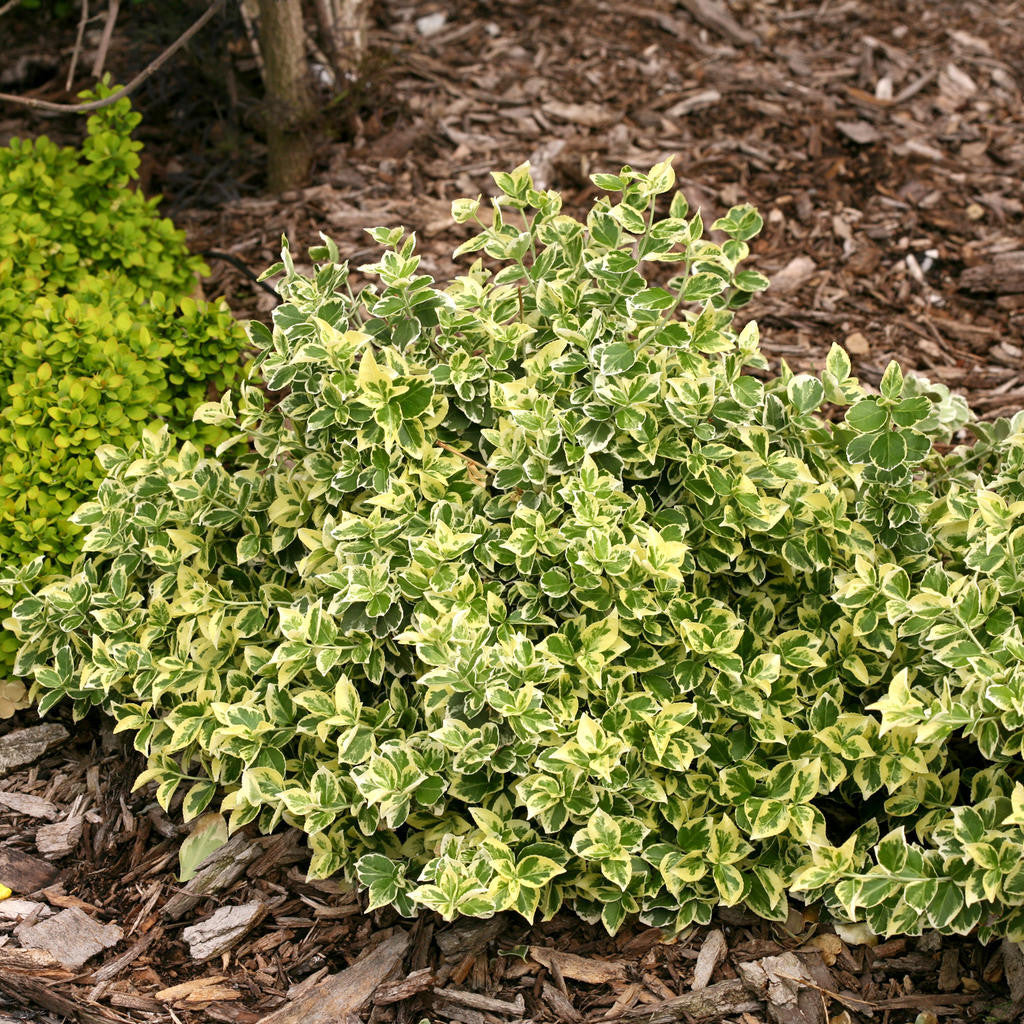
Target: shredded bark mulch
x=884 y=144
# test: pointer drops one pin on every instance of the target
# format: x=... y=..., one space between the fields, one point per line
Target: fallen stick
x=125 y=90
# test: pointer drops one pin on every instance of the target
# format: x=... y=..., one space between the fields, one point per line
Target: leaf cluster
x=99 y=331
x=537 y=590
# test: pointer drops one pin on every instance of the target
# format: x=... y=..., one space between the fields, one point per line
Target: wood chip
x=590 y=115
x=723 y=999
x=485 y=1004
x=949 y=970
x=698 y=101
x=20 y=910
x=470 y=936
x=716 y=16
x=1004 y=275
x=861 y=132
x=23 y=873
x=35 y=960
x=712 y=951
x=791 y=1000
x=60 y=838
x=222 y=929
x=397 y=991
x=856 y=344
x=198 y=990
x=586 y=969
x=347 y=992
x=72 y=937
x=1013 y=968
x=23 y=746
x=112 y=968
x=29 y=992
x=32 y=806
x=793 y=274
x=559 y=1003
x=463 y=1014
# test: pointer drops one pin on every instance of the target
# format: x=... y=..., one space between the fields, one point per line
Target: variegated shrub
x=530 y=594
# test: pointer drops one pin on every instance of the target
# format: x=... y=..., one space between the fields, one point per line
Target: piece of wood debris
x=1013 y=968
x=222 y=929
x=542 y=163
x=627 y=999
x=198 y=990
x=60 y=838
x=949 y=970
x=23 y=873
x=35 y=960
x=723 y=999
x=788 y=985
x=579 y=968
x=30 y=992
x=231 y=1013
x=462 y=1014
x=347 y=992
x=861 y=132
x=17 y=909
x=856 y=344
x=57 y=897
x=1004 y=275
x=560 y=1003
x=23 y=746
x=793 y=275
x=71 y=936
x=698 y=101
x=131 y=1001
x=32 y=806
x=590 y=115
x=112 y=968
x=221 y=869
x=470 y=936
x=397 y=991
x=485 y=1004
x=712 y=951
x=716 y=16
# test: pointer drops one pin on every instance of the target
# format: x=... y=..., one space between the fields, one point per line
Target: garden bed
x=893 y=214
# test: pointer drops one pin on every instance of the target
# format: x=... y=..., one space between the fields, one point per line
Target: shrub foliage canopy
x=99 y=332
x=535 y=591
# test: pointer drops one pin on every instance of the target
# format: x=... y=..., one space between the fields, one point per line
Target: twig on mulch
x=125 y=90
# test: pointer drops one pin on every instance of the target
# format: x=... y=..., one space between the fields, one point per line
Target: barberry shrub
x=98 y=332
x=537 y=591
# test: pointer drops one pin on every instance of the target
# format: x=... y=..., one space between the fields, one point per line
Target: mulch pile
x=884 y=145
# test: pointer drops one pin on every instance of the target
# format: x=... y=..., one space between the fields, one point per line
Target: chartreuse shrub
x=529 y=594
x=98 y=333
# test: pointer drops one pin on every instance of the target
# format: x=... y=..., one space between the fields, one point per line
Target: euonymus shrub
x=98 y=332
x=529 y=594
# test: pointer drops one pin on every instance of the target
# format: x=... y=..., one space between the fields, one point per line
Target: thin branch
x=78 y=45
x=9 y=6
x=249 y=21
x=150 y=69
x=108 y=31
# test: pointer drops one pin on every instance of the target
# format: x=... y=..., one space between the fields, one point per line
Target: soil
x=884 y=144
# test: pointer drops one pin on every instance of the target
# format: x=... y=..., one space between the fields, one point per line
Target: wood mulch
x=884 y=144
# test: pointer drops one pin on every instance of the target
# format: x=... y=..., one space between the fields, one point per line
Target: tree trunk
x=343 y=26
x=289 y=97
